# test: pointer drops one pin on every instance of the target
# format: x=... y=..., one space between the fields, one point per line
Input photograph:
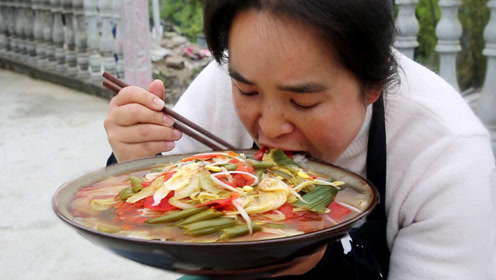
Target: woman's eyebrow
x=309 y=87
x=238 y=77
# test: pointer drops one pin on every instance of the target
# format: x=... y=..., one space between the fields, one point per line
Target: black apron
x=369 y=255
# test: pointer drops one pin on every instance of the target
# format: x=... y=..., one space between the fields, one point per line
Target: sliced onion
x=243 y=214
x=314 y=182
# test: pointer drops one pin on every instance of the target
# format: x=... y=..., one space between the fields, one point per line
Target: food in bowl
x=218 y=197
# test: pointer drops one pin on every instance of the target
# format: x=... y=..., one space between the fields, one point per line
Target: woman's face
x=289 y=91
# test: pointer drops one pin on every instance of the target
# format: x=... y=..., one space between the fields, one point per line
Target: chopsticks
x=114 y=84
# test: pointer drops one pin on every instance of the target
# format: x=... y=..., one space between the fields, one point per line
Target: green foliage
x=428 y=14
x=186 y=15
x=471 y=64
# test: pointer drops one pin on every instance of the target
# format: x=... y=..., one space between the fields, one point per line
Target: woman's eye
x=303 y=106
x=247 y=93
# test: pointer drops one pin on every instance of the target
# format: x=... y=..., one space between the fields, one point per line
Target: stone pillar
x=58 y=36
x=107 y=39
x=91 y=13
x=449 y=32
x=136 y=45
x=81 y=40
x=18 y=34
x=10 y=11
x=118 y=48
x=29 y=32
x=408 y=27
x=38 y=33
x=486 y=106
x=69 y=38
x=48 y=35
x=3 y=29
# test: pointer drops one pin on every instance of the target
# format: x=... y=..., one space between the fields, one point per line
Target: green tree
x=187 y=16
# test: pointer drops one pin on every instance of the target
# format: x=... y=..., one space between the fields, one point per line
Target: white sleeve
x=442 y=214
x=208 y=103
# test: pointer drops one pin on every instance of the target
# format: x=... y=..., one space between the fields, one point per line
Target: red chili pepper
x=259 y=155
x=164 y=204
x=287 y=210
x=242 y=180
x=225 y=203
x=338 y=212
x=289 y=154
x=200 y=157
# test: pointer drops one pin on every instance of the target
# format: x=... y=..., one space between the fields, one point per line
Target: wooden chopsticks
x=114 y=84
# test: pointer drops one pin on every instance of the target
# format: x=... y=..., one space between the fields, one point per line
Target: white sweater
x=438 y=196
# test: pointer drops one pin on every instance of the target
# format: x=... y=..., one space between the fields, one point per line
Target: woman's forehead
x=289 y=49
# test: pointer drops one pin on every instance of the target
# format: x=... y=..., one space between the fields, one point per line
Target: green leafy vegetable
x=318 y=199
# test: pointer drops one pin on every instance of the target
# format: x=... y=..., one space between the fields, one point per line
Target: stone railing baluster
x=408 y=27
x=449 y=32
x=107 y=39
x=81 y=40
x=11 y=28
x=20 y=24
x=91 y=13
x=138 y=69
x=38 y=33
x=58 y=36
x=69 y=38
x=15 y=37
x=3 y=29
x=29 y=32
x=119 y=35
x=47 y=35
x=486 y=105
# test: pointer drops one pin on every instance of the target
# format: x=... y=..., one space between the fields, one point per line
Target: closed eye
x=248 y=93
x=303 y=106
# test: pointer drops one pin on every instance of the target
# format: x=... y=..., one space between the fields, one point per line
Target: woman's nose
x=273 y=123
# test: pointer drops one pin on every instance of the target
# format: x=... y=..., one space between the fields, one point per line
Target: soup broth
x=218 y=197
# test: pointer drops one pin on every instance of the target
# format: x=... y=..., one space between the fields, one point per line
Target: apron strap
x=376 y=158
x=373 y=232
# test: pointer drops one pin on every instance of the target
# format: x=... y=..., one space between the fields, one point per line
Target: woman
x=321 y=77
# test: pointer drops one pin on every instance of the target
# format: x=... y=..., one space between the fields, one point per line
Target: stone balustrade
x=79 y=39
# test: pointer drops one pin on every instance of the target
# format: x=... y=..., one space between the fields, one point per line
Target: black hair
x=361 y=32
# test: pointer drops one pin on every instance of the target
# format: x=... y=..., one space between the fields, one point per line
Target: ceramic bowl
x=240 y=258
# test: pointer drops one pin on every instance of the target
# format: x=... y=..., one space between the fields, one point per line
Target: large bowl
x=211 y=258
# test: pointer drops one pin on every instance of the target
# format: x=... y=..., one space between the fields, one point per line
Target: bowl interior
x=210 y=258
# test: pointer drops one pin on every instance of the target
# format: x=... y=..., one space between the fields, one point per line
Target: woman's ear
x=373 y=94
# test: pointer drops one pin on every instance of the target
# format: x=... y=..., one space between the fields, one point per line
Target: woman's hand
x=135 y=124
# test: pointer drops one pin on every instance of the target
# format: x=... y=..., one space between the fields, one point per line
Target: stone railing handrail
x=79 y=39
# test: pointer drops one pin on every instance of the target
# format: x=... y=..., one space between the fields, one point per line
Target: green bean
x=282 y=174
x=176 y=216
x=261 y=164
x=205 y=215
x=239 y=230
x=230 y=166
x=136 y=183
x=125 y=193
x=208 y=226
